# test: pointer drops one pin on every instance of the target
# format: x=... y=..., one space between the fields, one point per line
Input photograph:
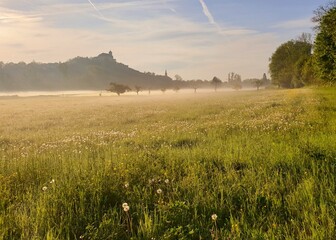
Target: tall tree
x=325 y=46
x=286 y=61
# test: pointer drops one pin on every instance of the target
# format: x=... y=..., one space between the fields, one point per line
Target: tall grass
x=263 y=162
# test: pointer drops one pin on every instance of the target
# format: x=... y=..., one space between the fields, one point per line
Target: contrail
x=166 y=5
x=96 y=8
x=207 y=13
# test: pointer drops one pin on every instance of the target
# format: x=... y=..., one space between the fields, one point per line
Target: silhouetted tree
x=176 y=88
x=264 y=79
x=137 y=89
x=216 y=82
x=234 y=80
x=118 y=88
x=258 y=83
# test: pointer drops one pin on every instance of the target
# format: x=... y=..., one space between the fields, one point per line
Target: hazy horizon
x=195 y=39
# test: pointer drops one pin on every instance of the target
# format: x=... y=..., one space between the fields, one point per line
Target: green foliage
x=262 y=163
x=325 y=47
x=287 y=63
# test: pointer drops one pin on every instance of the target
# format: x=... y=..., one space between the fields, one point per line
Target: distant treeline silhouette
x=97 y=73
x=80 y=73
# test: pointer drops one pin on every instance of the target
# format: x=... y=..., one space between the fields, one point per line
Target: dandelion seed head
x=159 y=191
x=126 y=208
x=167 y=181
x=124 y=205
x=214 y=217
x=44 y=188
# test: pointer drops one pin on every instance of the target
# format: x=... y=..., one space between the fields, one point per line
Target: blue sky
x=197 y=39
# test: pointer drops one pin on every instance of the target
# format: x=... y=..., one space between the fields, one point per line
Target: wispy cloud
x=207 y=13
x=170 y=8
x=226 y=31
x=96 y=8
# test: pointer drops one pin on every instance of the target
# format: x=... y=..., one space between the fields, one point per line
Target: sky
x=196 y=39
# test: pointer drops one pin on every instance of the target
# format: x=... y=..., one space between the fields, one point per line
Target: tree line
x=234 y=81
x=301 y=61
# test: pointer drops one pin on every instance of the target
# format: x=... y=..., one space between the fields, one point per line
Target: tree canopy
x=288 y=63
x=118 y=88
x=325 y=46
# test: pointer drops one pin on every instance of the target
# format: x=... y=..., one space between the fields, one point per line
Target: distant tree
x=325 y=45
x=234 y=80
x=216 y=82
x=264 y=79
x=176 y=88
x=118 y=88
x=258 y=83
x=233 y=77
x=137 y=89
x=237 y=85
x=178 y=77
x=163 y=90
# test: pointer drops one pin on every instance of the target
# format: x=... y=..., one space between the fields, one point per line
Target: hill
x=80 y=73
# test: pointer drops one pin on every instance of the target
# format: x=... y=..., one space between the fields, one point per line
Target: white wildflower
x=159 y=191
x=214 y=217
x=44 y=188
x=124 y=205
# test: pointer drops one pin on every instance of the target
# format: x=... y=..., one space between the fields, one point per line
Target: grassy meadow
x=224 y=165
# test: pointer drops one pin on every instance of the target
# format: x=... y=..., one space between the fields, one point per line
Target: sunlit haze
x=197 y=39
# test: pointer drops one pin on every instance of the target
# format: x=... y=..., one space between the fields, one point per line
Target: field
x=224 y=165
